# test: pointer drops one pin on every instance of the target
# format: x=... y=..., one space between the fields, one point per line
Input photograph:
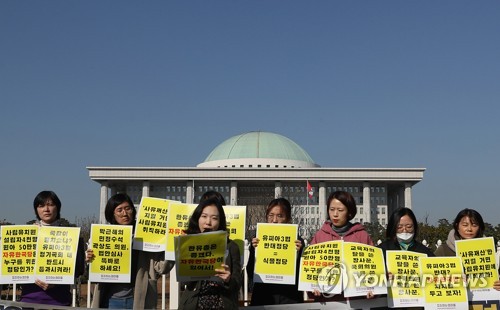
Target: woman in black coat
x=278 y=211
x=218 y=295
x=402 y=232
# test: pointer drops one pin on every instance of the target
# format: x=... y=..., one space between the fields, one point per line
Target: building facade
x=252 y=168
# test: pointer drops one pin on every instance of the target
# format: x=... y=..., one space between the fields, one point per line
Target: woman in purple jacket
x=341 y=208
x=48 y=213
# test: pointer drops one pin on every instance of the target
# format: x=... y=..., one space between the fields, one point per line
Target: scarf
x=342 y=230
x=405 y=246
x=450 y=242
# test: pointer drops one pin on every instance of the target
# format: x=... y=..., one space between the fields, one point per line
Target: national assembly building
x=252 y=168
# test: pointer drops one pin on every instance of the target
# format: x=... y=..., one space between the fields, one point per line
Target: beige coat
x=149 y=267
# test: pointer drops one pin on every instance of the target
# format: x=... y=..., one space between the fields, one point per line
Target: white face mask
x=404 y=237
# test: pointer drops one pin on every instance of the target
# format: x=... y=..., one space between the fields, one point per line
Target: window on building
x=360 y=210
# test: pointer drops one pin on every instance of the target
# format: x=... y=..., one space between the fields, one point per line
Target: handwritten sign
x=151 y=228
x=275 y=256
x=112 y=247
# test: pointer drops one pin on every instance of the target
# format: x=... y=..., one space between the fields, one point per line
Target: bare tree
x=85 y=224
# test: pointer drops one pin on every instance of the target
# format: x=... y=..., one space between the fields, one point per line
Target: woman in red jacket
x=341 y=208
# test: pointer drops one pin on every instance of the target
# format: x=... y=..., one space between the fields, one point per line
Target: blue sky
x=161 y=83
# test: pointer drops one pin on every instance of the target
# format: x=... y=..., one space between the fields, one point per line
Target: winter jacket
x=230 y=290
x=59 y=294
x=356 y=233
x=416 y=247
x=275 y=294
x=447 y=248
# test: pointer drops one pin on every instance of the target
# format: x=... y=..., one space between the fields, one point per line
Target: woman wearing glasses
x=402 y=232
x=279 y=211
x=141 y=292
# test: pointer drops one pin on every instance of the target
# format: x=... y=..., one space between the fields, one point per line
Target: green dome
x=264 y=149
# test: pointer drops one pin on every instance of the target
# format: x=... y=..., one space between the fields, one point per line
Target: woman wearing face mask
x=401 y=235
x=402 y=232
x=279 y=211
x=218 y=295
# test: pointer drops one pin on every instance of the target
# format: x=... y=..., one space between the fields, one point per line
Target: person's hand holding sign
x=223 y=273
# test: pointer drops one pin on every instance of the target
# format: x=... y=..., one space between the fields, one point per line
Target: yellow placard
x=236 y=226
x=321 y=267
x=112 y=247
x=198 y=255
x=365 y=269
x=478 y=260
x=444 y=281
x=177 y=223
x=56 y=254
x=18 y=253
x=405 y=289
x=275 y=255
x=151 y=228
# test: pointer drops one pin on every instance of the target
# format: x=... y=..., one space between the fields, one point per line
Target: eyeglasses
x=120 y=210
x=407 y=227
x=272 y=216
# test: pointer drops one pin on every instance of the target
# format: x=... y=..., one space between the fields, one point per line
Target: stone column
x=145 y=189
x=103 y=201
x=277 y=189
x=408 y=203
x=322 y=214
x=367 y=216
x=189 y=192
x=234 y=193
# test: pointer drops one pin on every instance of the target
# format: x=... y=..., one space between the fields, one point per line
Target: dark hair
x=474 y=217
x=392 y=225
x=213 y=194
x=283 y=204
x=42 y=198
x=194 y=227
x=115 y=201
x=347 y=200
